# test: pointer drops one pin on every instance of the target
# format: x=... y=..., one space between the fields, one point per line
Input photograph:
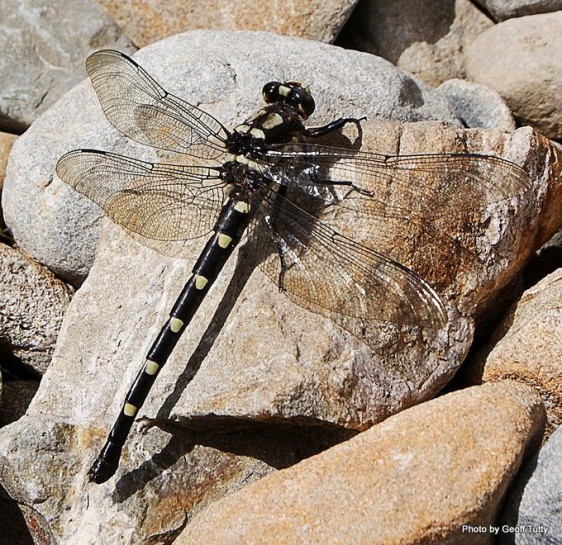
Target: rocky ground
x=270 y=423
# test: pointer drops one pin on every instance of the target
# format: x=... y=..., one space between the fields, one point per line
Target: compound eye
x=303 y=101
x=270 y=92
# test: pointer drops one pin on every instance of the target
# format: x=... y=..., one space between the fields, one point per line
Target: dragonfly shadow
x=279 y=444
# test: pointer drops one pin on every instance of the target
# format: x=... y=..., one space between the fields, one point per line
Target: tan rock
x=527 y=346
x=419 y=477
x=6 y=141
x=148 y=21
x=526 y=53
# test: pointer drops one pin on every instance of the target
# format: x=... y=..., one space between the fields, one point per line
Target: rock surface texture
x=506 y=9
x=458 y=454
x=148 y=21
x=32 y=308
x=526 y=52
x=535 y=498
x=528 y=343
x=43 y=48
x=271 y=423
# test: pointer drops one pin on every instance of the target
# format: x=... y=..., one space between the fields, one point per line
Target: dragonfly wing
x=410 y=187
x=163 y=204
x=137 y=106
x=324 y=271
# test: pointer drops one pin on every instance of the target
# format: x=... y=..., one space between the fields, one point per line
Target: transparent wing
x=408 y=187
x=326 y=272
x=141 y=109
x=161 y=203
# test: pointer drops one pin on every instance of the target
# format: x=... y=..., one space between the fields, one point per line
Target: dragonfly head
x=292 y=93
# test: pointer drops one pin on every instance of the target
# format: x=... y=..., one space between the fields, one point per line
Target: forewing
x=408 y=187
x=327 y=272
x=141 y=109
x=163 y=204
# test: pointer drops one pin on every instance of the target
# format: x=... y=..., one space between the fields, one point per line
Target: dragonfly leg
x=335 y=125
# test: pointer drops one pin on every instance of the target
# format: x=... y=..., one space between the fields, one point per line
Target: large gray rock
x=501 y=10
x=43 y=48
x=521 y=60
x=534 y=501
x=424 y=37
x=222 y=72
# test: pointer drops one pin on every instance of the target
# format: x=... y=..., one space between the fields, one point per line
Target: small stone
x=477 y=105
x=501 y=10
x=521 y=60
x=33 y=306
x=527 y=345
x=443 y=466
x=535 y=499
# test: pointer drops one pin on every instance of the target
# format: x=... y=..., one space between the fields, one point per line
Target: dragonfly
x=270 y=181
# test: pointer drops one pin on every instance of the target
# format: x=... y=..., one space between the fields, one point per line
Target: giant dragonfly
x=269 y=176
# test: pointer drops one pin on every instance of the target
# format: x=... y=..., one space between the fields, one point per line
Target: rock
x=525 y=52
x=16 y=397
x=477 y=105
x=261 y=362
x=423 y=37
x=6 y=142
x=444 y=466
x=527 y=345
x=60 y=232
x=501 y=10
x=149 y=504
x=43 y=46
x=533 y=502
x=33 y=305
x=153 y=20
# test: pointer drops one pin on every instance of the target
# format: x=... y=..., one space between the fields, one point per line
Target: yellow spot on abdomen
x=175 y=325
x=151 y=367
x=200 y=281
x=130 y=410
x=273 y=120
x=224 y=240
x=242 y=207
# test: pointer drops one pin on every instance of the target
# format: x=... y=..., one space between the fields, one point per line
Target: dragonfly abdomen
x=233 y=220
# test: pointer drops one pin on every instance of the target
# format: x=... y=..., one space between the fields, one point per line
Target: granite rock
x=43 y=48
x=148 y=21
x=33 y=306
x=527 y=346
x=424 y=37
x=432 y=474
x=501 y=10
x=520 y=59
x=533 y=502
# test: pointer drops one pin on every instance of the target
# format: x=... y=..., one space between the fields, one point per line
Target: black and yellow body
x=279 y=122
